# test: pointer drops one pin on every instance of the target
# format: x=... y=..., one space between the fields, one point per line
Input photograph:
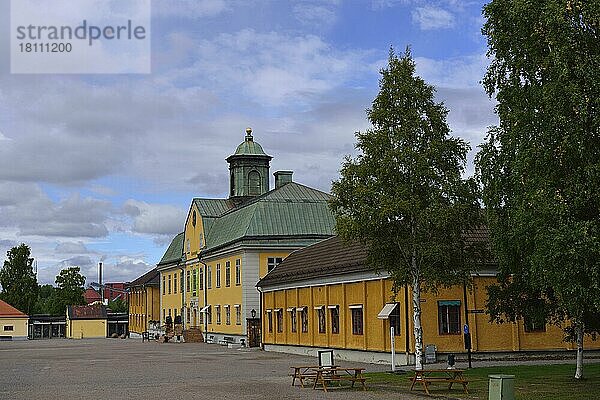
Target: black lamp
x=253 y=313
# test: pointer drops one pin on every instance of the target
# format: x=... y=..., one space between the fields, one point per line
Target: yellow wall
x=86 y=328
x=373 y=295
x=170 y=302
x=263 y=260
x=223 y=295
x=144 y=306
x=193 y=234
x=19 y=326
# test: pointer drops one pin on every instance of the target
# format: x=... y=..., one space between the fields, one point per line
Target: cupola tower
x=248 y=169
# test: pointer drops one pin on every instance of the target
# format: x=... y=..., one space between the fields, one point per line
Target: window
x=169 y=287
x=395 y=320
x=321 y=318
x=272 y=262
x=209 y=277
x=534 y=324
x=218 y=311
x=270 y=320
x=238 y=272
x=238 y=314
x=164 y=313
x=449 y=317
x=175 y=283
x=201 y=240
x=335 y=318
x=280 y=320
x=8 y=328
x=164 y=285
x=227 y=274
x=227 y=315
x=293 y=320
x=304 y=319
x=194 y=282
x=218 y=275
x=201 y=278
x=188 y=319
x=209 y=315
x=357 y=320
x=187 y=280
x=253 y=183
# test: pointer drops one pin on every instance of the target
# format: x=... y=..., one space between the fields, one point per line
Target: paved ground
x=129 y=369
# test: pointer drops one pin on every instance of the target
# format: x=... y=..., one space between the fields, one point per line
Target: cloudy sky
x=103 y=167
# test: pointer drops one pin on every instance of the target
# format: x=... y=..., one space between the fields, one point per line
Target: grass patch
x=532 y=382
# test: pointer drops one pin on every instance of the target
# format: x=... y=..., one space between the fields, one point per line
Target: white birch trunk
x=418 y=329
x=579 y=334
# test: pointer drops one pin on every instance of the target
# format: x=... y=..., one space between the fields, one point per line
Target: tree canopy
x=404 y=195
x=18 y=281
x=540 y=167
x=70 y=288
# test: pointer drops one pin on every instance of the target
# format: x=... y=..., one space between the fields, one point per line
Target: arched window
x=253 y=183
x=232 y=184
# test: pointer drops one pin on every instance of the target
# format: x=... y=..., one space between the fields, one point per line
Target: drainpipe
x=183 y=306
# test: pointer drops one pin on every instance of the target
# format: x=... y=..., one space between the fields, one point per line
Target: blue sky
x=103 y=167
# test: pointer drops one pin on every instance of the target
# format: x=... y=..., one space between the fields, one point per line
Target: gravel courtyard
x=130 y=369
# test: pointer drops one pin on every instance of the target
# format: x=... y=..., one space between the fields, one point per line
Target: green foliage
x=540 y=168
x=18 y=281
x=118 y=306
x=404 y=195
x=45 y=300
x=70 y=290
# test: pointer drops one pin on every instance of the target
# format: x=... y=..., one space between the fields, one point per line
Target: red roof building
x=91 y=295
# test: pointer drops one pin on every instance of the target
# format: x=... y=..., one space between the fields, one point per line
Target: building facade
x=85 y=322
x=229 y=244
x=13 y=323
x=326 y=296
x=144 y=301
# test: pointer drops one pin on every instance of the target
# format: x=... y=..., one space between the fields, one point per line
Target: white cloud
x=188 y=8
x=155 y=219
x=314 y=15
x=430 y=17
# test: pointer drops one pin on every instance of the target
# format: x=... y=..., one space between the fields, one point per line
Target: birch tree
x=404 y=195
x=540 y=167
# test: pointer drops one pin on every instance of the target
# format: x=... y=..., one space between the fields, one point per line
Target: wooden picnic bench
x=302 y=372
x=449 y=376
x=338 y=374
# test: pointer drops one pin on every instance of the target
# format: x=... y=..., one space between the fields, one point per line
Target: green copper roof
x=249 y=146
x=292 y=211
x=213 y=207
x=174 y=251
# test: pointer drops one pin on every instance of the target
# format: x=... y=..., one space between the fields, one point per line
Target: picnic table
x=338 y=374
x=428 y=376
x=302 y=372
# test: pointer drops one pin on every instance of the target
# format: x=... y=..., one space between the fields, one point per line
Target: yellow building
x=144 y=301
x=13 y=323
x=85 y=322
x=325 y=296
x=170 y=268
x=229 y=244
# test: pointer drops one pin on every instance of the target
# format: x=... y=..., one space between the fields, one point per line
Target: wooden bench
x=428 y=376
x=338 y=374
x=302 y=372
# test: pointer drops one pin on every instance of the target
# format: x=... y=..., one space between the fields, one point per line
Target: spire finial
x=248 y=134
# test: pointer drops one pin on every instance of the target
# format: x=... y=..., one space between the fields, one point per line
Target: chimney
x=282 y=177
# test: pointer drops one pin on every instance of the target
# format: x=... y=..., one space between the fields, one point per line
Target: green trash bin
x=501 y=387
